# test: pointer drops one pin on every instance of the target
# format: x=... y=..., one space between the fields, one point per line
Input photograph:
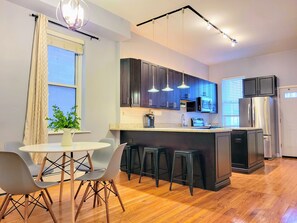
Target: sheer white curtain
x=35 y=131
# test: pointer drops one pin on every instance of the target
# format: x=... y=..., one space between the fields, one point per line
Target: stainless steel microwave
x=204 y=104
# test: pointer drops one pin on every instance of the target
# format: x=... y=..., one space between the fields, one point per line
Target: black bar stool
x=187 y=173
x=129 y=161
x=155 y=162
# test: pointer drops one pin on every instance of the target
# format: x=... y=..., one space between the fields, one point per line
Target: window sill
x=61 y=132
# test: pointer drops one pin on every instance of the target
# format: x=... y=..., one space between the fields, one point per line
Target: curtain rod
x=193 y=10
x=58 y=24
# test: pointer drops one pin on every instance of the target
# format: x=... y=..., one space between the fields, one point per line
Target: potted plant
x=67 y=122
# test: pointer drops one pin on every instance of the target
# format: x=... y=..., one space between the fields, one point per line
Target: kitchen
x=103 y=109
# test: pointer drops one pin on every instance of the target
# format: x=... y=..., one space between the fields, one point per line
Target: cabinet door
x=252 y=148
x=135 y=82
x=125 y=83
x=162 y=72
x=249 y=87
x=239 y=149
x=267 y=86
x=145 y=83
x=214 y=97
x=260 y=146
x=185 y=93
x=193 y=83
x=223 y=156
x=153 y=96
x=177 y=80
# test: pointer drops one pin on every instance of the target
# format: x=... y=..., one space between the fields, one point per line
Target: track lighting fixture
x=209 y=25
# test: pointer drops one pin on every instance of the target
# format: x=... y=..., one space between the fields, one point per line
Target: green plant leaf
x=61 y=121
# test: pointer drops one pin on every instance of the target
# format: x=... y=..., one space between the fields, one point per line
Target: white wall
x=100 y=82
x=142 y=48
x=282 y=64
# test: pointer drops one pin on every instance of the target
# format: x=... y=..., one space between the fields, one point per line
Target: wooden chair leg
x=62 y=176
x=106 y=202
x=48 y=207
x=95 y=193
x=115 y=189
x=83 y=200
x=5 y=198
x=26 y=214
x=5 y=205
x=78 y=189
x=47 y=193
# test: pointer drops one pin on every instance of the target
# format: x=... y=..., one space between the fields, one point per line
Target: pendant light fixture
x=73 y=13
x=167 y=85
x=153 y=89
x=183 y=85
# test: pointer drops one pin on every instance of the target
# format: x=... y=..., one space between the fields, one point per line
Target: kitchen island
x=214 y=146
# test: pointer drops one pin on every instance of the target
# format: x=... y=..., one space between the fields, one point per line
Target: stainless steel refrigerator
x=260 y=112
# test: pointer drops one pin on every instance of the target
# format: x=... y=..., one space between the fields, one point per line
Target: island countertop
x=136 y=127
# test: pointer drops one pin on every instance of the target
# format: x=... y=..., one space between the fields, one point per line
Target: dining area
x=25 y=182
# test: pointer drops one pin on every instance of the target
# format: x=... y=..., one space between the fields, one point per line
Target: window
x=64 y=72
x=231 y=92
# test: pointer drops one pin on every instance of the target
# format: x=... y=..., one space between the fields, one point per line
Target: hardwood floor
x=267 y=195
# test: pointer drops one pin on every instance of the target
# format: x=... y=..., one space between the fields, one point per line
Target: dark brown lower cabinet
x=247 y=150
x=214 y=152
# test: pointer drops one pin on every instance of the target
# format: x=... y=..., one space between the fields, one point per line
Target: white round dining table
x=58 y=148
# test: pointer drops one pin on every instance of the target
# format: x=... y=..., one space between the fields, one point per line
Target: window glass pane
x=63 y=97
x=291 y=95
x=231 y=92
x=61 y=66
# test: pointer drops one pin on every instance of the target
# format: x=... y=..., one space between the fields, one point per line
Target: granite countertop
x=173 y=128
x=127 y=127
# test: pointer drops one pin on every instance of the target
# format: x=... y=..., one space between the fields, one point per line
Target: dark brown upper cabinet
x=130 y=82
x=139 y=76
x=149 y=78
x=260 y=86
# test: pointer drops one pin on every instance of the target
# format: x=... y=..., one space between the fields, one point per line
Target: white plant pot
x=66 y=138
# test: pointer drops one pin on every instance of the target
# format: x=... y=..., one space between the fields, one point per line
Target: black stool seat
x=155 y=153
x=129 y=161
x=188 y=156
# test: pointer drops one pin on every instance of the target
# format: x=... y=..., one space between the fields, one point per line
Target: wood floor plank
x=268 y=195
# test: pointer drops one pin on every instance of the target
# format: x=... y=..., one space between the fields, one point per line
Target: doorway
x=288 y=120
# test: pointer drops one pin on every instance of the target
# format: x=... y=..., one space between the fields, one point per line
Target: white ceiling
x=259 y=26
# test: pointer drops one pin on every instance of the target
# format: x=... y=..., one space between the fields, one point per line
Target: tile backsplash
x=162 y=117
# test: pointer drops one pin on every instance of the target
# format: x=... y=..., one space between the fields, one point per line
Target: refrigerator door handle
x=249 y=108
x=253 y=113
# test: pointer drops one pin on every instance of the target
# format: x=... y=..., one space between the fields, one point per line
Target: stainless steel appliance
x=260 y=112
x=149 y=120
x=204 y=104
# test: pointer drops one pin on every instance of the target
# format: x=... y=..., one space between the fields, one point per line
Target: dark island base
x=249 y=170
x=214 y=153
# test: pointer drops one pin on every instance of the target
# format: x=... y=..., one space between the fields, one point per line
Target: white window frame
x=223 y=115
x=78 y=50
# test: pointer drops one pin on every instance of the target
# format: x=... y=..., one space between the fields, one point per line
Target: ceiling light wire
x=211 y=25
x=153 y=89
x=183 y=85
x=167 y=88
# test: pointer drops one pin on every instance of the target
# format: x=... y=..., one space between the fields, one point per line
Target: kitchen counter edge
x=168 y=129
